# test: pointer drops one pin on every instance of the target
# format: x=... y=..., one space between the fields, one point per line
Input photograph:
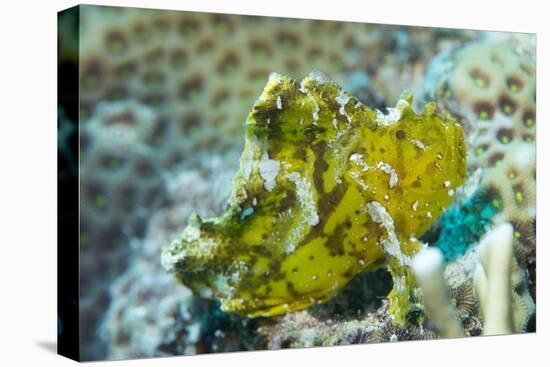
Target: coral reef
x=164 y=101
x=305 y=329
x=505 y=194
x=501 y=284
x=514 y=180
x=288 y=239
x=198 y=74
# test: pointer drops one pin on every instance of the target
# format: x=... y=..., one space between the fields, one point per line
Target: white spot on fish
x=305 y=197
x=315 y=112
x=418 y=143
x=390 y=243
x=342 y=100
x=356 y=158
x=394 y=114
x=387 y=168
x=357 y=179
x=269 y=169
x=302 y=87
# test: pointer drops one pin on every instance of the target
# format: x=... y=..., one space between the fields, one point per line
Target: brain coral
x=490 y=87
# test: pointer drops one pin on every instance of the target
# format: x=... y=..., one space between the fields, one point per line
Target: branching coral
x=325 y=189
x=499 y=285
x=428 y=267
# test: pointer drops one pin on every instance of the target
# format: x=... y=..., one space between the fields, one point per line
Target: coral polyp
x=326 y=188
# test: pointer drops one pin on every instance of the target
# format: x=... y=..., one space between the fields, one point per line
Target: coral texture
x=490 y=87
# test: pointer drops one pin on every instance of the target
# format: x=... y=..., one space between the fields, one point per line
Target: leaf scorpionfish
x=326 y=188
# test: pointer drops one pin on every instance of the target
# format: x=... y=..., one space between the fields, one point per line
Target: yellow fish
x=326 y=188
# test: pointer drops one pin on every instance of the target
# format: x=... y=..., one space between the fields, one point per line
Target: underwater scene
x=252 y=183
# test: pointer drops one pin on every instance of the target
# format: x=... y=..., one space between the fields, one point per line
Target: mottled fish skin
x=326 y=188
